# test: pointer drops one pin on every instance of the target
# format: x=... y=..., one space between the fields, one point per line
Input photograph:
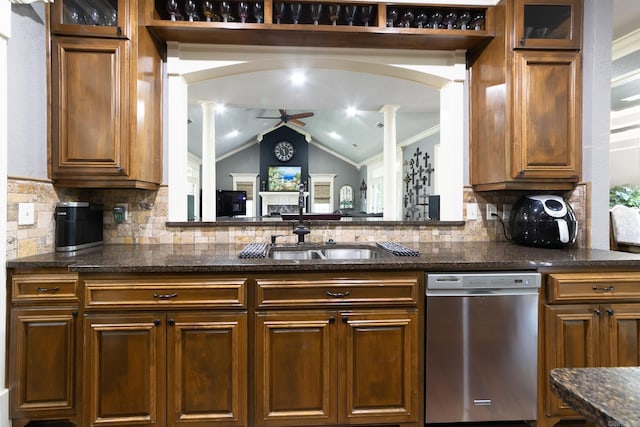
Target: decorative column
x=390 y=206
x=177 y=149
x=208 y=161
x=450 y=178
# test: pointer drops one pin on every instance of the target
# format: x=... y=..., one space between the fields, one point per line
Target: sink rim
x=323 y=249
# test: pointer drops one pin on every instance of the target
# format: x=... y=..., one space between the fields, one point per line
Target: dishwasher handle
x=480 y=292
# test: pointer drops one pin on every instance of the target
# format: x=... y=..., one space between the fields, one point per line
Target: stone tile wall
x=147 y=215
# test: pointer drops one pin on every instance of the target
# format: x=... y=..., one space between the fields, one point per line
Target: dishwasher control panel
x=484 y=280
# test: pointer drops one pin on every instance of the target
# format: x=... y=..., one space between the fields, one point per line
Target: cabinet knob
x=332 y=320
x=165 y=296
x=523 y=40
x=74 y=313
x=603 y=288
x=45 y=290
x=119 y=30
x=338 y=294
x=157 y=322
x=171 y=322
x=610 y=312
x=597 y=312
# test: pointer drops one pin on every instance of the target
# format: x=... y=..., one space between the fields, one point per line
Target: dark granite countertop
x=204 y=258
x=609 y=397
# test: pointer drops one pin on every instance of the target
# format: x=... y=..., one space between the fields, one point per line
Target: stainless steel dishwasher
x=481 y=346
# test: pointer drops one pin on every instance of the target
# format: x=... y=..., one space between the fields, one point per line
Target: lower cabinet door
x=378 y=366
x=623 y=325
x=572 y=340
x=125 y=370
x=295 y=368
x=42 y=363
x=206 y=369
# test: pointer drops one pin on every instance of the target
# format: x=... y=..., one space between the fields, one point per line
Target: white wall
x=27 y=92
x=597 y=39
x=5 y=30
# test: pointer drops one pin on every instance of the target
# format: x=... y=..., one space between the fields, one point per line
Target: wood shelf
x=377 y=35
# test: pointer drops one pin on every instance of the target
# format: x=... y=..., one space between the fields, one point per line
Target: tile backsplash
x=147 y=216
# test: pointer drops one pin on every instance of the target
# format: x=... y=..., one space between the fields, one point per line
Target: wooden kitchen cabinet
x=544 y=24
x=332 y=360
x=525 y=106
x=43 y=331
x=105 y=103
x=166 y=369
x=546 y=116
x=590 y=319
x=101 y=18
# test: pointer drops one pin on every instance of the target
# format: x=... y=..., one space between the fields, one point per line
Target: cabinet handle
x=598 y=312
x=157 y=322
x=171 y=322
x=610 y=312
x=338 y=294
x=74 y=313
x=345 y=320
x=44 y=290
x=332 y=320
x=602 y=289
x=165 y=296
x=522 y=41
x=119 y=30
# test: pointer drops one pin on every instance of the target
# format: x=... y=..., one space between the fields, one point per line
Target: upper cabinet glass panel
x=548 y=24
x=99 y=18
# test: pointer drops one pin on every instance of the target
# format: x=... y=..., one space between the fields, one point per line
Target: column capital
x=389 y=108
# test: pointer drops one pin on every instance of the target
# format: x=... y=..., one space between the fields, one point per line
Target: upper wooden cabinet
x=95 y=18
x=525 y=106
x=544 y=24
x=106 y=101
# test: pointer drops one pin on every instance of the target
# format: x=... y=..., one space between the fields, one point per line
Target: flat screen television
x=231 y=203
x=284 y=178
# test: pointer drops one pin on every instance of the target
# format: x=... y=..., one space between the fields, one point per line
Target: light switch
x=26 y=214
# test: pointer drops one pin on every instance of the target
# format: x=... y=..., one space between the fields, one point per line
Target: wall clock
x=284 y=151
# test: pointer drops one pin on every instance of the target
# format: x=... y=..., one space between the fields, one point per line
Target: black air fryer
x=544 y=221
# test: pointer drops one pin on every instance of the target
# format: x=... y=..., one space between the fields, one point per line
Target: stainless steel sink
x=336 y=252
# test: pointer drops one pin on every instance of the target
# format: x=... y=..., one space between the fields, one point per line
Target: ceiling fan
x=285 y=118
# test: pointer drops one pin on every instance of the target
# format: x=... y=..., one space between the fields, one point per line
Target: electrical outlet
x=506 y=211
x=472 y=211
x=26 y=214
x=491 y=210
x=120 y=212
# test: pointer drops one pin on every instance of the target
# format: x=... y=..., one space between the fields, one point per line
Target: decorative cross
x=429 y=170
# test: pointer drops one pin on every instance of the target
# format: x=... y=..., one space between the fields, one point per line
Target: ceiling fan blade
x=282 y=112
x=296 y=121
x=300 y=115
x=279 y=123
x=264 y=117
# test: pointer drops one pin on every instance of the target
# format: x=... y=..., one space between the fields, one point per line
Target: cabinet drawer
x=213 y=293
x=593 y=286
x=48 y=288
x=396 y=290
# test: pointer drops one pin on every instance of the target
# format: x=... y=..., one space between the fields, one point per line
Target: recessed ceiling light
x=234 y=132
x=220 y=108
x=352 y=111
x=297 y=78
x=631 y=98
x=334 y=135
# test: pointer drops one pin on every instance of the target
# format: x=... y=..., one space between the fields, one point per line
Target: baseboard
x=4 y=407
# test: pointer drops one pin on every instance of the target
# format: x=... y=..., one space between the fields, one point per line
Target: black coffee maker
x=544 y=221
